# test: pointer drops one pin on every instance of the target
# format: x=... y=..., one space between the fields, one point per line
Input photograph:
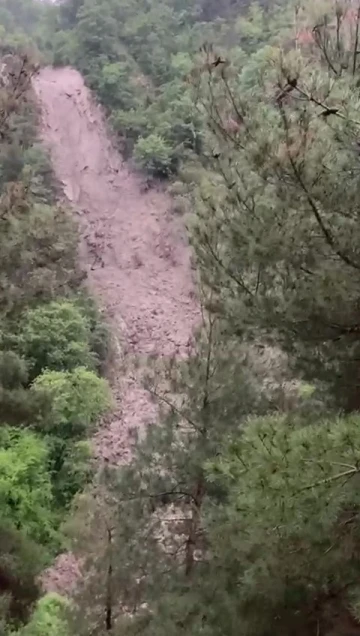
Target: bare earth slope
x=135 y=253
x=134 y=250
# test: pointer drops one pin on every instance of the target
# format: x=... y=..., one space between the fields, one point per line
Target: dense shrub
x=72 y=468
x=79 y=398
x=153 y=154
x=48 y=619
x=21 y=561
x=25 y=487
x=55 y=336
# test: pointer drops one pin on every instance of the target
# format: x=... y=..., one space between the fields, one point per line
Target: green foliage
x=18 y=406
x=139 y=517
x=99 y=337
x=115 y=87
x=64 y=48
x=275 y=229
x=37 y=172
x=75 y=401
x=48 y=618
x=137 y=58
x=55 y=336
x=21 y=561
x=13 y=370
x=222 y=523
x=78 y=397
x=25 y=485
x=72 y=468
x=154 y=155
x=40 y=472
x=130 y=125
x=37 y=241
x=297 y=492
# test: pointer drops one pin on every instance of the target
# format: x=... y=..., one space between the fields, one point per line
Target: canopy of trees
x=48 y=326
x=239 y=511
x=137 y=56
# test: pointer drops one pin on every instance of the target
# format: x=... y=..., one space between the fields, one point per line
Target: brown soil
x=134 y=250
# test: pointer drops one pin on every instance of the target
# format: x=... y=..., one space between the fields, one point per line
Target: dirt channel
x=134 y=250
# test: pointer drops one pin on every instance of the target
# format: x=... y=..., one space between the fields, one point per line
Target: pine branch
x=327 y=110
x=326 y=233
x=322 y=47
x=351 y=330
x=171 y=405
x=328 y=480
x=239 y=282
x=355 y=53
x=208 y=363
x=320 y=463
x=167 y=493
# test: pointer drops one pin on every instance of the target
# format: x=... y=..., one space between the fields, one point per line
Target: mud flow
x=134 y=250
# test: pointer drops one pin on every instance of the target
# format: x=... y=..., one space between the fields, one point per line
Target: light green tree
x=78 y=397
x=153 y=154
x=25 y=484
x=48 y=618
x=55 y=336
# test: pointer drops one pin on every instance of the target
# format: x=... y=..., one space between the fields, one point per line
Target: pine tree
x=153 y=526
x=277 y=217
x=285 y=544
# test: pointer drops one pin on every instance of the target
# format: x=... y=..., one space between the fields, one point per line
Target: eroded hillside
x=134 y=250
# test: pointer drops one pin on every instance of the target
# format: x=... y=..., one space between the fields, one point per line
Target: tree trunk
x=109 y=603
x=194 y=525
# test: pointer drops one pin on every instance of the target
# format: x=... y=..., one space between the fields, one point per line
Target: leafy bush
x=21 y=561
x=76 y=401
x=64 y=48
x=13 y=370
x=25 y=487
x=153 y=154
x=71 y=468
x=115 y=88
x=11 y=163
x=18 y=405
x=55 y=336
x=130 y=125
x=99 y=332
x=38 y=173
x=177 y=188
x=48 y=619
x=38 y=244
x=79 y=398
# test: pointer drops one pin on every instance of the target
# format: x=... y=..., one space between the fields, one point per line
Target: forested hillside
x=238 y=511
x=137 y=56
x=52 y=342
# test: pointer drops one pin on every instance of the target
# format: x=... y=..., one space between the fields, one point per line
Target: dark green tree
x=286 y=539
x=141 y=528
x=39 y=242
x=275 y=230
x=21 y=561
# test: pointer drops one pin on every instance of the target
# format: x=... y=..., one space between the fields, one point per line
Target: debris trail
x=134 y=250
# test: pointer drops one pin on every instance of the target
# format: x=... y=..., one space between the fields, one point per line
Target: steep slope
x=135 y=252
